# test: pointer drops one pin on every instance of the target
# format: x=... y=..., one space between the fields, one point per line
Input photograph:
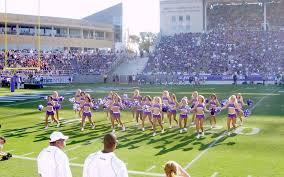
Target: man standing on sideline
x=105 y=163
x=52 y=161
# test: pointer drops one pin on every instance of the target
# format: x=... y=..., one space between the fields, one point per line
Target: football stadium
x=138 y=88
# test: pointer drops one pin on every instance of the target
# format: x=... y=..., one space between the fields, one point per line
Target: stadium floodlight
x=6 y=67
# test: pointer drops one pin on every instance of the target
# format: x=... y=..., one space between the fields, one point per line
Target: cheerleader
x=232 y=105
x=50 y=112
x=147 y=111
x=86 y=109
x=241 y=103
x=193 y=101
x=108 y=103
x=157 y=114
x=172 y=113
x=57 y=106
x=82 y=102
x=137 y=111
x=165 y=103
x=183 y=107
x=115 y=108
x=199 y=109
x=76 y=105
x=213 y=103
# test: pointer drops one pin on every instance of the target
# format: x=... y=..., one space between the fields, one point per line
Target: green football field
x=256 y=150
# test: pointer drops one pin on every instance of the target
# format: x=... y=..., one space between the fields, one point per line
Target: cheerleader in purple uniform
x=157 y=114
x=86 y=109
x=108 y=103
x=241 y=103
x=57 y=106
x=193 y=101
x=147 y=111
x=76 y=105
x=199 y=109
x=115 y=108
x=232 y=106
x=184 y=110
x=137 y=111
x=50 y=112
x=213 y=103
x=82 y=102
x=165 y=103
x=172 y=112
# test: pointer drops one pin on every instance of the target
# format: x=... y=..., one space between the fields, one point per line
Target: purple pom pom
x=247 y=113
x=61 y=99
x=249 y=102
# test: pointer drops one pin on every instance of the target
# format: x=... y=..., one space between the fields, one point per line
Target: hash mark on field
x=81 y=165
x=151 y=168
x=28 y=154
x=214 y=174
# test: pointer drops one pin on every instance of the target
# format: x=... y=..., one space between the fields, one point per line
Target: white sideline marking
x=28 y=154
x=74 y=158
x=151 y=168
x=218 y=138
x=249 y=176
x=81 y=165
x=214 y=174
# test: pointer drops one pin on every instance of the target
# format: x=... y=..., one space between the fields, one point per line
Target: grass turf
x=258 y=155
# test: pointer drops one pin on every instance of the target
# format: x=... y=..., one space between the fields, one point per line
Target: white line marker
x=71 y=149
x=28 y=154
x=249 y=176
x=151 y=168
x=204 y=151
x=74 y=158
x=81 y=165
x=214 y=174
x=12 y=150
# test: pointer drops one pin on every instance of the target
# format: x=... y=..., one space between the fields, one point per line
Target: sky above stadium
x=140 y=15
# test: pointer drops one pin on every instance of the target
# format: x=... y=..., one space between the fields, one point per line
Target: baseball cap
x=57 y=136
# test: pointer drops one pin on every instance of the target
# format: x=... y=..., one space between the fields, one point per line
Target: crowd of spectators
x=219 y=52
x=59 y=62
x=248 y=16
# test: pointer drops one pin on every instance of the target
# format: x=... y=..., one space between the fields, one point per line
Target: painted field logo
x=245 y=131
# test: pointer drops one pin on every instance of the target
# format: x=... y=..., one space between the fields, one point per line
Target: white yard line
x=81 y=165
x=214 y=174
x=219 y=137
x=27 y=154
x=204 y=151
x=249 y=176
x=151 y=168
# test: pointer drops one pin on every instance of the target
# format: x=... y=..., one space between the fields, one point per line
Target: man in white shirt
x=105 y=163
x=52 y=161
